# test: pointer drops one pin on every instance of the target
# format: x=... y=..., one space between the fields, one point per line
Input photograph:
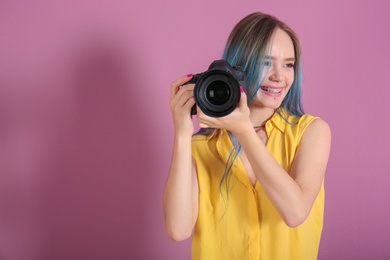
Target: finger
x=200 y=117
x=182 y=96
x=205 y=120
x=202 y=125
x=243 y=98
x=175 y=86
x=189 y=103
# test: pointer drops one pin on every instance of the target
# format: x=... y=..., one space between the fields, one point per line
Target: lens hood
x=217 y=90
x=217 y=93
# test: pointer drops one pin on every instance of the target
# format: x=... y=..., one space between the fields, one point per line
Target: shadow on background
x=96 y=197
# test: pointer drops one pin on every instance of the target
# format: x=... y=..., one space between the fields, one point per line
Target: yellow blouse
x=243 y=223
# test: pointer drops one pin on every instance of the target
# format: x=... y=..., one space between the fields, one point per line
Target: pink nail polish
x=242 y=89
x=189 y=75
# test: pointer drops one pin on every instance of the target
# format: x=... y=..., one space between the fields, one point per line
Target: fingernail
x=242 y=89
x=189 y=75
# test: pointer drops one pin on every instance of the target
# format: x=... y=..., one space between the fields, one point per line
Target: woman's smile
x=272 y=91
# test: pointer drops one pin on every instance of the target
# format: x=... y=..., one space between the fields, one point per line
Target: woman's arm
x=292 y=194
x=181 y=190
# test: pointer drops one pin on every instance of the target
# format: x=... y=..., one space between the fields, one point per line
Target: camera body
x=217 y=90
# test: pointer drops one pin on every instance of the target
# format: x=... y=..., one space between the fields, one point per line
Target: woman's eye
x=267 y=63
x=289 y=65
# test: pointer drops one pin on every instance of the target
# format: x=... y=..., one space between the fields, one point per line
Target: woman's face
x=279 y=74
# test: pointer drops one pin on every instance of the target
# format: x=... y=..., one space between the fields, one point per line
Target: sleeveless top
x=242 y=223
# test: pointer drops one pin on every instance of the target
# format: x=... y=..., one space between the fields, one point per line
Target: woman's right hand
x=181 y=102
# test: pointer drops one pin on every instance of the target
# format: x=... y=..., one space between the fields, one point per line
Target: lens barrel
x=217 y=93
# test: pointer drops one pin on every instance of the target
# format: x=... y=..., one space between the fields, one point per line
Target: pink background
x=86 y=129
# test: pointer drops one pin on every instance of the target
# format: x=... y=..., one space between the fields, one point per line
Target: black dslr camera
x=217 y=90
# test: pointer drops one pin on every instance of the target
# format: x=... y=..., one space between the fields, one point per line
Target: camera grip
x=193 y=81
x=193 y=110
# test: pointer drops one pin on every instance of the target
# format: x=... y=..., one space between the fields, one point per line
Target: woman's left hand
x=236 y=122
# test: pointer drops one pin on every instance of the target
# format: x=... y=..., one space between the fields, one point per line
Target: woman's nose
x=276 y=75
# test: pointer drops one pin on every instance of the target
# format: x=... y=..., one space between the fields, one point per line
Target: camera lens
x=218 y=92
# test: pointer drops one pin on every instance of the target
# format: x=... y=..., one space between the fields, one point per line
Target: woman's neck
x=260 y=115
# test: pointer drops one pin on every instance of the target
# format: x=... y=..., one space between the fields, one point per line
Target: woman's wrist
x=243 y=130
x=182 y=135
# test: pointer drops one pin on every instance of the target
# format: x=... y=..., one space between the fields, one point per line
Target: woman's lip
x=272 y=91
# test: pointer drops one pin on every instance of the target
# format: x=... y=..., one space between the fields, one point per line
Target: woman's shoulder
x=307 y=120
x=314 y=127
x=318 y=125
x=303 y=123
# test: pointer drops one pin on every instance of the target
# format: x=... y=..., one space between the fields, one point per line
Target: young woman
x=250 y=184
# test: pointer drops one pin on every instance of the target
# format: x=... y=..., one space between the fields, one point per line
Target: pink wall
x=86 y=133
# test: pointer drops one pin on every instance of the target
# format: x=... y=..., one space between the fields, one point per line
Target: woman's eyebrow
x=290 y=59
x=273 y=58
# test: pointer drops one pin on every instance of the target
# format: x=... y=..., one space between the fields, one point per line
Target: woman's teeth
x=272 y=90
